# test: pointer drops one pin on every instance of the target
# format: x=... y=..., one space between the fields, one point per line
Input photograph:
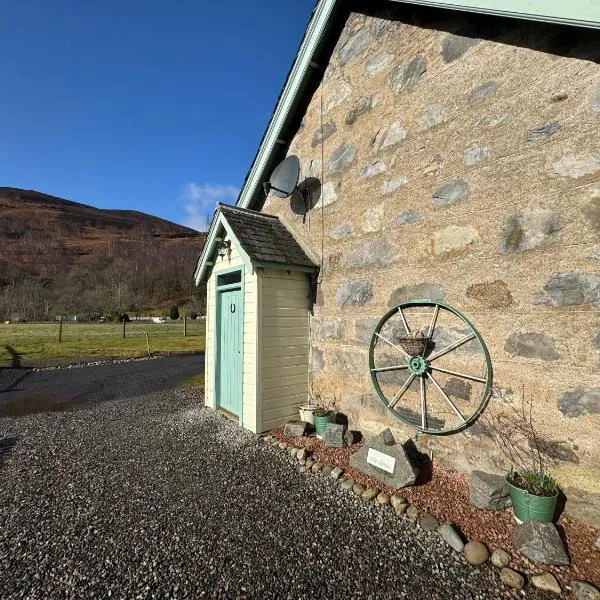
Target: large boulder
x=385 y=460
x=540 y=542
x=489 y=491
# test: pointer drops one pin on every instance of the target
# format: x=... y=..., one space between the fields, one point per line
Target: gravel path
x=154 y=497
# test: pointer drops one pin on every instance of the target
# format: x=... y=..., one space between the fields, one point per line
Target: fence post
x=59 y=330
x=184 y=326
x=123 y=328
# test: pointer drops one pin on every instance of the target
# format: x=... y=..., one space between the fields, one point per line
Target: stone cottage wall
x=459 y=159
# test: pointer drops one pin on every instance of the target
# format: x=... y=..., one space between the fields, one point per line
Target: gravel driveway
x=154 y=496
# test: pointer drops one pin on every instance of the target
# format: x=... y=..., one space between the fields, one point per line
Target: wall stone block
x=388 y=187
x=405 y=293
x=454 y=46
x=373 y=168
x=570 y=288
x=329 y=194
x=529 y=228
x=592 y=212
x=481 y=93
x=355 y=46
x=454 y=239
x=579 y=401
x=322 y=133
x=341 y=231
x=377 y=63
x=334 y=329
x=493 y=294
x=455 y=191
x=596 y=98
x=408 y=217
x=353 y=361
x=406 y=75
x=475 y=154
x=342 y=157
x=373 y=218
x=340 y=93
x=494 y=120
x=364 y=105
x=543 y=132
x=363 y=329
x=389 y=136
x=370 y=254
x=354 y=291
x=532 y=345
x=577 y=165
x=317 y=362
x=458 y=388
x=433 y=115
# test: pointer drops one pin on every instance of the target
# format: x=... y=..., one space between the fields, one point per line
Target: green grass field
x=30 y=344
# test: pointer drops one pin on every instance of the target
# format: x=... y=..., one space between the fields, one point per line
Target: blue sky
x=151 y=106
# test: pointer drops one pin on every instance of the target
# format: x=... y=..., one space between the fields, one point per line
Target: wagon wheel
x=438 y=382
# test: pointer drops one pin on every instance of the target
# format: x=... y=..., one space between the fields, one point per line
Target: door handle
x=232 y=308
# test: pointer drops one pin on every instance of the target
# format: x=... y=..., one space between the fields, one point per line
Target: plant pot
x=307 y=413
x=321 y=422
x=528 y=507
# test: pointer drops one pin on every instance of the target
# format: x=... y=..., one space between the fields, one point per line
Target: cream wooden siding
x=284 y=345
x=248 y=417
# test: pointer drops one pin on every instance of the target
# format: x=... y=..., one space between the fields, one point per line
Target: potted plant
x=533 y=491
x=322 y=416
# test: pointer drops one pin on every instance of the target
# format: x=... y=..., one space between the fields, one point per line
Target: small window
x=229 y=278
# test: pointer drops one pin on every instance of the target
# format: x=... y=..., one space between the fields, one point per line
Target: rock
x=322 y=133
x=455 y=191
x=540 y=542
x=529 y=228
x=458 y=388
x=475 y=154
x=302 y=469
x=400 y=509
x=347 y=484
x=329 y=194
x=428 y=523
x=500 y=558
x=597 y=544
x=579 y=165
x=317 y=362
x=579 y=401
x=451 y=537
x=397 y=500
x=336 y=473
x=295 y=428
x=432 y=116
x=391 y=186
x=301 y=461
x=342 y=157
x=389 y=136
x=312 y=168
x=293 y=451
x=377 y=63
x=387 y=463
x=338 y=95
x=489 y=491
x=454 y=239
x=406 y=75
x=532 y=345
x=408 y=217
x=512 y=578
x=282 y=445
x=542 y=132
x=493 y=294
x=355 y=291
x=358 y=489
x=309 y=463
x=369 y=494
x=582 y=590
x=373 y=218
x=431 y=291
x=316 y=468
x=350 y=360
x=476 y=553
x=454 y=46
x=546 y=582
x=479 y=94
x=383 y=498
x=355 y=46
x=364 y=105
x=412 y=513
x=495 y=120
x=326 y=470
x=333 y=435
x=570 y=288
x=349 y=437
x=370 y=254
x=333 y=330
x=596 y=98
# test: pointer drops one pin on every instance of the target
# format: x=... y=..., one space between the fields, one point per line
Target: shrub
x=174 y=313
x=193 y=315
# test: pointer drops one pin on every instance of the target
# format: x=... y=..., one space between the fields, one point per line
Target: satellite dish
x=284 y=178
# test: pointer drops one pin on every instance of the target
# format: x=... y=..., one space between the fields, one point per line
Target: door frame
x=217 y=330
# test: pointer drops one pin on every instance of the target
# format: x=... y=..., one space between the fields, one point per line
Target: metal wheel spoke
x=393 y=345
x=443 y=393
x=391 y=368
x=404 y=321
x=423 y=404
x=454 y=346
x=402 y=391
x=456 y=374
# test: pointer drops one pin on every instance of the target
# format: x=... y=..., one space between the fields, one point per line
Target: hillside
x=68 y=252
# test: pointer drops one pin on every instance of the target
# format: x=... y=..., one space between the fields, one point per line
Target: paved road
x=27 y=391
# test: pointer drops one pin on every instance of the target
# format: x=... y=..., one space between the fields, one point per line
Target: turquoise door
x=230 y=340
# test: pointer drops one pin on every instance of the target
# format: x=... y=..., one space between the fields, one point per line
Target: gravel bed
x=155 y=496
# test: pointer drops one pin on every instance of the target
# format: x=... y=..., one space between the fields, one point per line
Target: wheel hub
x=418 y=365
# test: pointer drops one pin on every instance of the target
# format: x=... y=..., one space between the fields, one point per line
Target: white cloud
x=200 y=199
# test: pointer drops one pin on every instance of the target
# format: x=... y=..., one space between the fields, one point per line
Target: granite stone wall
x=459 y=160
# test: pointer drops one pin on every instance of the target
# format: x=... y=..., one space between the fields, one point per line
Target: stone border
x=474 y=552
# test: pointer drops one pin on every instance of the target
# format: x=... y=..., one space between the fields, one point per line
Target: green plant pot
x=527 y=507
x=321 y=423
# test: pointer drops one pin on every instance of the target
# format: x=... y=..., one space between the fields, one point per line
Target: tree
x=174 y=313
